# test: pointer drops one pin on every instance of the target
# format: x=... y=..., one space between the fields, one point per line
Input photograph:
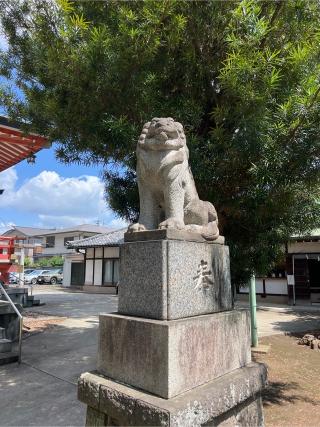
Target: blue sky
x=52 y=194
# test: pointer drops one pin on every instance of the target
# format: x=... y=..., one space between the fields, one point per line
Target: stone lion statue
x=167 y=191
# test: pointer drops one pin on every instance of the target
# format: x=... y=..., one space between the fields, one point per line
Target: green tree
x=242 y=76
x=43 y=263
x=27 y=262
x=56 y=261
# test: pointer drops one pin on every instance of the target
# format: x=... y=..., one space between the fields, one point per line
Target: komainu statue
x=168 y=195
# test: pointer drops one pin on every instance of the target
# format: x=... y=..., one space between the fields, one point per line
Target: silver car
x=32 y=278
x=53 y=277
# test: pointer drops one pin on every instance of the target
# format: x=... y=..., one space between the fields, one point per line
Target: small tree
x=27 y=262
x=56 y=261
x=43 y=263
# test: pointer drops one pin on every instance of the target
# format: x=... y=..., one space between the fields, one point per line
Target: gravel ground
x=37 y=322
x=292 y=398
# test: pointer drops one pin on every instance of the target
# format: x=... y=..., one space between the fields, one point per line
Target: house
x=41 y=243
x=54 y=241
x=95 y=265
x=32 y=240
x=298 y=280
x=303 y=267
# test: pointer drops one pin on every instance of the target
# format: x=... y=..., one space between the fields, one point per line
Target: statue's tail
x=211 y=231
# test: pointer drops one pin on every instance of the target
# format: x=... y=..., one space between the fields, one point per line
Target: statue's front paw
x=136 y=227
x=174 y=223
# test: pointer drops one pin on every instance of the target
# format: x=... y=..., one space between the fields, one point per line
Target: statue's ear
x=187 y=152
x=146 y=125
x=179 y=127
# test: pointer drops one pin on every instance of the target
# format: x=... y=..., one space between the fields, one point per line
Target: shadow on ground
x=288 y=321
x=280 y=393
x=42 y=391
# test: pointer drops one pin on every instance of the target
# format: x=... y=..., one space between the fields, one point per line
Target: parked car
x=32 y=278
x=53 y=277
x=13 y=278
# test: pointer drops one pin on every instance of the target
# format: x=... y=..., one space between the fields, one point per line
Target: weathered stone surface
x=88 y=391
x=167 y=191
x=246 y=414
x=95 y=418
x=169 y=234
x=170 y=357
x=231 y=400
x=173 y=279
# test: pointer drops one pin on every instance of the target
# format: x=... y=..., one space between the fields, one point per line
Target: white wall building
x=299 y=279
x=95 y=266
x=54 y=242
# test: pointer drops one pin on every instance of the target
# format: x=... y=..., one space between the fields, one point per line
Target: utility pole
x=253 y=311
x=21 y=270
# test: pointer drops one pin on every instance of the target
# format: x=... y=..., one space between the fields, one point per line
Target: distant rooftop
x=89 y=228
x=314 y=234
x=29 y=231
x=33 y=231
x=113 y=238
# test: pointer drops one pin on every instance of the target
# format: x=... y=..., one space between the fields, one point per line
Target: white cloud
x=8 y=180
x=56 y=201
x=4 y=226
x=50 y=194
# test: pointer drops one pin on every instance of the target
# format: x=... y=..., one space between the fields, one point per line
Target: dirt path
x=292 y=398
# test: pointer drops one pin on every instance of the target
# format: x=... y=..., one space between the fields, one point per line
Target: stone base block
x=173 y=279
x=169 y=234
x=167 y=358
x=231 y=400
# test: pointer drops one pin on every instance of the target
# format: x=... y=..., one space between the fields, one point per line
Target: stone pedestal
x=167 y=358
x=176 y=354
x=231 y=400
x=173 y=279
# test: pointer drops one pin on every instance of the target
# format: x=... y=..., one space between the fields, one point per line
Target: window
x=50 y=241
x=67 y=239
x=111 y=272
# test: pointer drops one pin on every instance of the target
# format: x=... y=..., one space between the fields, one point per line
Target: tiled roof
x=313 y=234
x=113 y=238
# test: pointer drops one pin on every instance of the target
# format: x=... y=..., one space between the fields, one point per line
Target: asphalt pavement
x=42 y=391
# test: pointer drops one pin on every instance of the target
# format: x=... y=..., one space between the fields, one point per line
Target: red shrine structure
x=7 y=257
x=15 y=146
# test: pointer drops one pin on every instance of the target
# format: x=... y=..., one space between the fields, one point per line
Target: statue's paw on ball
x=136 y=227
x=172 y=223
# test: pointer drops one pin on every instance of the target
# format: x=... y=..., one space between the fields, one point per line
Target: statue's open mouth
x=163 y=133
x=161 y=136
